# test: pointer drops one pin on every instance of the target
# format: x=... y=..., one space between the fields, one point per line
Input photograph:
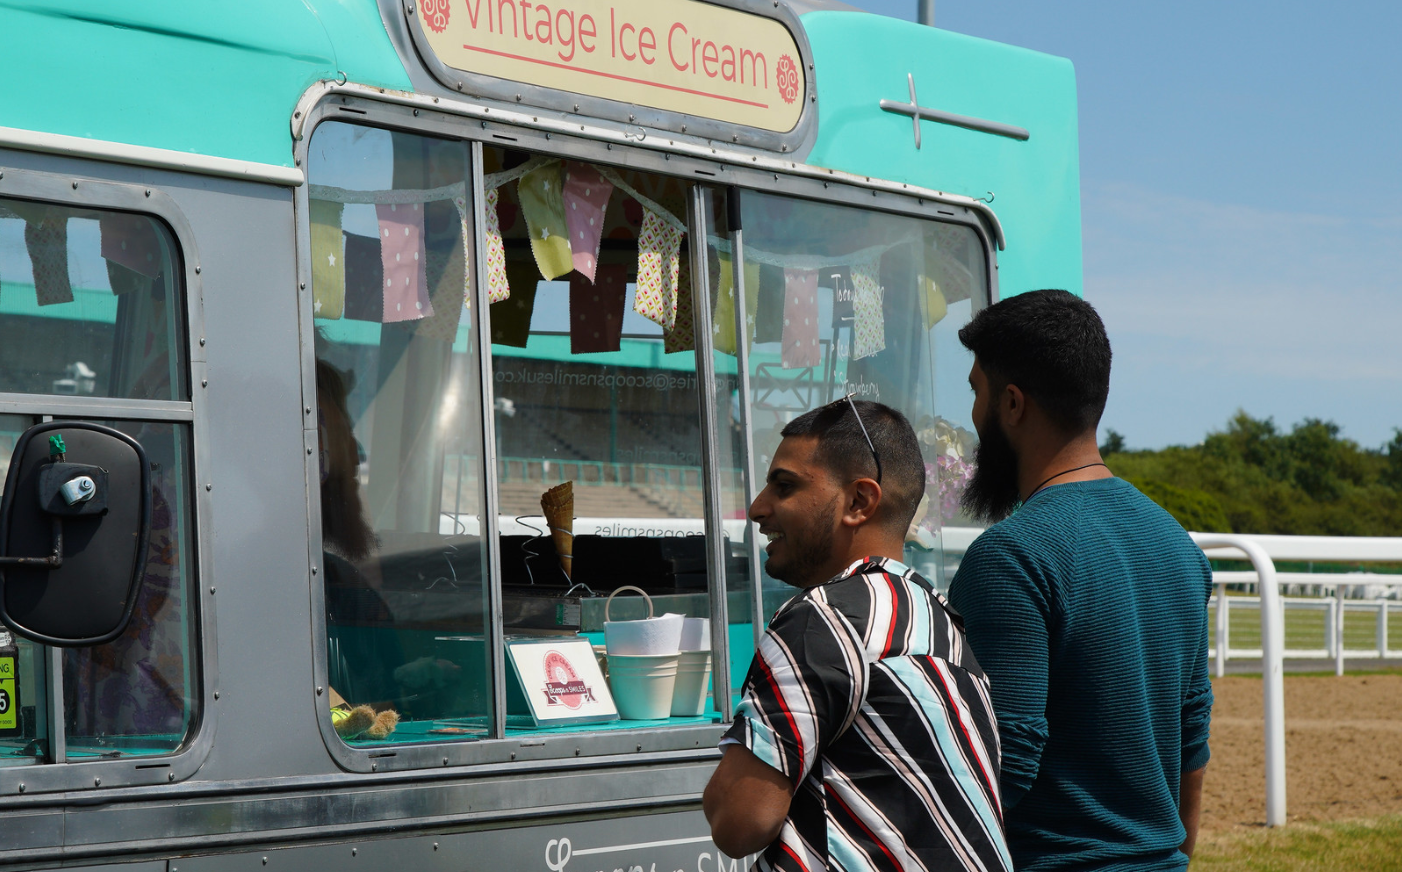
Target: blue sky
x=1241 y=184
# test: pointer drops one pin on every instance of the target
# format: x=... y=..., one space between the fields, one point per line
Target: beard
x=992 y=493
x=809 y=551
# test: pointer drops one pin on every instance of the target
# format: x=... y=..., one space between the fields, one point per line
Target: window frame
x=88 y=189
x=426 y=116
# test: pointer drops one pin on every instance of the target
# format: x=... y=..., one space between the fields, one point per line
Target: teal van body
x=223 y=80
x=216 y=79
x=1034 y=186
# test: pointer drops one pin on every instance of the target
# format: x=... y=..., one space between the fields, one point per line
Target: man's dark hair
x=843 y=450
x=1053 y=346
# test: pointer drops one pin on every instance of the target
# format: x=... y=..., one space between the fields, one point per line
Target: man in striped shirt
x=865 y=739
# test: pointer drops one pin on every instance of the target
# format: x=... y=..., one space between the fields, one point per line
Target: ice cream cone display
x=557 y=504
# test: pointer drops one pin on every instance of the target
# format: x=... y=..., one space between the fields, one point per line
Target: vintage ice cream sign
x=677 y=55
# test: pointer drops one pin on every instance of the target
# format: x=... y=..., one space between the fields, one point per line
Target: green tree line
x=1253 y=477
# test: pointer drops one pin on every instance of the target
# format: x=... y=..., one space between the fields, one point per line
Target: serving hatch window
x=598 y=457
x=596 y=404
x=399 y=435
x=587 y=282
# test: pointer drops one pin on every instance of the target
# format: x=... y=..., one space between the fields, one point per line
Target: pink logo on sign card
x=562 y=685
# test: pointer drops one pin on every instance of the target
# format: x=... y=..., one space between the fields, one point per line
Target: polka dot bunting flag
x=586 y=200
x=799 y=340
x=404 y=259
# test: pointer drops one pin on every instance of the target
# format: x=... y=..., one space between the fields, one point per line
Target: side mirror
x=74 y=527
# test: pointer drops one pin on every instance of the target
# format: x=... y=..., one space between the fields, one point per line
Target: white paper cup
x=693 y=678
x=642 y=684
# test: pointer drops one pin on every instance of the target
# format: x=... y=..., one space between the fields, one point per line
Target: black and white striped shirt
x=865 y=695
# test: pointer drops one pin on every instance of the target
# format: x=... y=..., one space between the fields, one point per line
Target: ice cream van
x=356 y=355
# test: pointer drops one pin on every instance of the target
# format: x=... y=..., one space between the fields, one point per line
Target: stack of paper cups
x=642 y=659
x=696 y=634
x=649 y=636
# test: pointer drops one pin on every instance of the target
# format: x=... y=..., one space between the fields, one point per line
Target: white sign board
x=562 y=681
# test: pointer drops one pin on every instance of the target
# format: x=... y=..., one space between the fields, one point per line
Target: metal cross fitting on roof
x=917 y=112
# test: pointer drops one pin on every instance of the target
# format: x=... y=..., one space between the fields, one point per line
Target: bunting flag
x=947 y=255
x=449 y=273
x=932 y=297
x=365 y=279
x=328 y=259
x=404 y=258
x=596 y=310
x=723 y=325
x=933 y=302
x=498 y=287
x=465 y=217
x=47 y=242
x=543 y=202
x=445 y=276
x=769 y=309
x=511 y=319
x=868 y=322
x=131 y=240
x=800 y=336
x=659 y=247
x=682 y=336
x=586 y=202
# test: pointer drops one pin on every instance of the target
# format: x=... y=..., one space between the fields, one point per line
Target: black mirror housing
x=75 y=523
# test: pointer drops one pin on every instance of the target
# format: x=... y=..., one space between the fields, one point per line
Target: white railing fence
x=1272 y=665
x=1334 y=596
x=1317 y=617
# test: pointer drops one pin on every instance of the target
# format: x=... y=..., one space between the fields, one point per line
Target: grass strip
x=1367 y=845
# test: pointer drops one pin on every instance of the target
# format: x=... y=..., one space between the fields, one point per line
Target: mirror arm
x=53 y=561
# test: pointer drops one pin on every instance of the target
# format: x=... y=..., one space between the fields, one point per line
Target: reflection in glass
x=399 y=434
x=137 y=694
x=90 y=304
x=950 y=435
x=840 y=301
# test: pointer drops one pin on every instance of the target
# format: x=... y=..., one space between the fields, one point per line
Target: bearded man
x=864 y=739
x=1085 y=603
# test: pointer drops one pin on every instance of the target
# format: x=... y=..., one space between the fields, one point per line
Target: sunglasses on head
x=874 y=456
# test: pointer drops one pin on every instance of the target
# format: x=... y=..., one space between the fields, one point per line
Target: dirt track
x=1343 y=750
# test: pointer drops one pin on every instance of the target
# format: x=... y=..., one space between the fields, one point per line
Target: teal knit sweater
x=1087 y=610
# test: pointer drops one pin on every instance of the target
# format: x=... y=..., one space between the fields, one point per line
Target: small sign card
x=562 y=681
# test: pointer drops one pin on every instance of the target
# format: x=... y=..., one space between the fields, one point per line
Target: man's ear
x=1014 y=405
x=863 y=502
